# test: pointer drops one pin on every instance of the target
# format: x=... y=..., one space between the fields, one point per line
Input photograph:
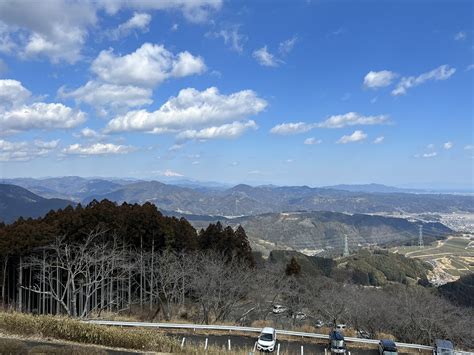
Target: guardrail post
x=325 y=351
x=278 y=349
x=228 y=342
x=205 y=344
x=302 y=352
x=182 y=342
x=255 y=347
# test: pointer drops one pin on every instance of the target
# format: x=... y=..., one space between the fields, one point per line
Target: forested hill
x=135 y=225
x=16 y=202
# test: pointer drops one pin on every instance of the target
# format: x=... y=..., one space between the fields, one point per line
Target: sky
x=294 y=92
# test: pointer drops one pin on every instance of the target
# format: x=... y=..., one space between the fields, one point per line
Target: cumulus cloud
x=97 y=149
x=379 y=140
x=265 y=58
x=229 y=130
x=312 y=141
x=58 y=29
x=17 y=113
x=448 y=145
x=357 y=136
x=139 y=21
x=25 y=151
x=443 y=72
x=106 y=96
x=12 y=93
x=89 y=133
x=285 y=47
x=191 y=109
x=352 y=119
x=292 y=128
x=231 y=36
x=148 y=66
x=379 y=79
x=127 y=81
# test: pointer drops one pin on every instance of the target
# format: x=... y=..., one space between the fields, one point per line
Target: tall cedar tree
x=293 y=268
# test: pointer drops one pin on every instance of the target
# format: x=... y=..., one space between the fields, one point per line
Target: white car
x=341 y=327
x=267 y=340
x=277 y=309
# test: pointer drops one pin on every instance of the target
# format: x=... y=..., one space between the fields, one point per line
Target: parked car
x=363 y=334
x=278 y=308
x=267 y=340
x=300 y=316
x=443 y=347
x=319 y=324
x=337 y=344
x=387 y=347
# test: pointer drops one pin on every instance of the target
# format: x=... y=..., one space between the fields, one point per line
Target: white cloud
x=312 y=141
x=379 y=79
x=89 y=133
x=58 y=29
x=97 y=149
x=175 y=147
x=429 y=155
x=12 y=93
x=285 y=47
x=352 y=119
x=148 y=66
x=229 y=130
x=175 y=27
x=469 y=147
x=191 y=109
x=443 y=72
x=110 y=96
x=265 y=58
x=448 y=145
x=357 y=136
x=139 y=21
x=40 y=116
x=25 y=151
x=231 y=36
x=379 y=140
x=195 y=11
x=292 y=128
x=47 y=145
x=470 y=67
x=460 y=36
x=18 y=114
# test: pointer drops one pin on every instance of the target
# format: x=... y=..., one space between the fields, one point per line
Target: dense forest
x=102 y=256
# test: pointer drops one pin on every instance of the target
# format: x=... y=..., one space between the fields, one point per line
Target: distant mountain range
x=212 y=199
x=323 y=232
x=18 y=202
x=373 y=188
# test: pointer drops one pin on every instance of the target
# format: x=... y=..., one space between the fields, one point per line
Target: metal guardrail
x=245 y=329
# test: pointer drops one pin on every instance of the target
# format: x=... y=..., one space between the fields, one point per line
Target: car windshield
x=445 y=351
x=390 y=353
x=266 y=337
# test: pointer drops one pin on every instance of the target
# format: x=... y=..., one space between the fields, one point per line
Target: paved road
x=247 y=343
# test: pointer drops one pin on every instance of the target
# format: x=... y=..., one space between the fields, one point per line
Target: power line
x=420 y=236
x=346 y=246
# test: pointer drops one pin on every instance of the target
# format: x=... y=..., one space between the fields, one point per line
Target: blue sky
x=283 y=92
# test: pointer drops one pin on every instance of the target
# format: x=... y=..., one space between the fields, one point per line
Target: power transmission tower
x=420 y=236
x=346 y=247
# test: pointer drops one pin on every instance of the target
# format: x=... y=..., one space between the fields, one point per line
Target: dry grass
x=62 y=328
